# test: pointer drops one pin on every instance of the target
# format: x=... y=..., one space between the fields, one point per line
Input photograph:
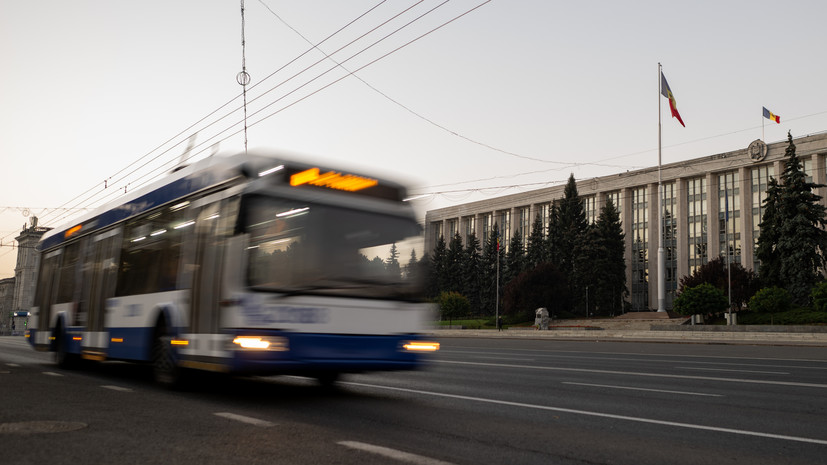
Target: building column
x=654 y=241
x=682 y=233
x=626 y=221
x=713 y=229
x=747 y=239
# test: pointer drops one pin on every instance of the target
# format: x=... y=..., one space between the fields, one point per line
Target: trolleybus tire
x=165 y=370
x=63 y=358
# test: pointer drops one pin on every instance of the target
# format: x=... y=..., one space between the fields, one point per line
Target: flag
x=769 y=115
x=667 y=92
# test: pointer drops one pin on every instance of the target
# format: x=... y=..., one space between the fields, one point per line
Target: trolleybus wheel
x=164 y=369
x=63 y=358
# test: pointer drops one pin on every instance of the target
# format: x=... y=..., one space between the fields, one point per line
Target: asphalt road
x=480 y=401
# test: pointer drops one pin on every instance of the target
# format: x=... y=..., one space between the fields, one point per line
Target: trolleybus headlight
x=421 y=346
x=261 y=343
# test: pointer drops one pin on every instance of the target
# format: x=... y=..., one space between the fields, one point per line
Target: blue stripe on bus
x=319 y=352
x=136 y=343
x=165 y=194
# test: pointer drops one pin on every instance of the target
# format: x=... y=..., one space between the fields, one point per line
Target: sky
x=461 y=100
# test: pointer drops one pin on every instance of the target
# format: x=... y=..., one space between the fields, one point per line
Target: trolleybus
x=247 y=264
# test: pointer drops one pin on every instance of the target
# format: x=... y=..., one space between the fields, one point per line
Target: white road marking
x=392 y=453
x=737 y=371
x=117 y=388
x=635 y=373
x=644 y=389
x=244 y=419
x=14 y=365
x=599 y=414
x=51 y=373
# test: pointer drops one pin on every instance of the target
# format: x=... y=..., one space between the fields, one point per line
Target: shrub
x=704 y=298
x=453 y=305
x=819 y=296
x=771 y=300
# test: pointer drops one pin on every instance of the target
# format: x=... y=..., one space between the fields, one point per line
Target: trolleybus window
x=298 y=246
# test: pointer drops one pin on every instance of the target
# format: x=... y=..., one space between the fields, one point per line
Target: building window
x=696 y=223
x=436 y=227
x=487 y=227
x=729 y=215
x=617 y=200
x=760 y=180
x=505 y=229
x=544 y=210
x=470 y=223
x=590 y=208
x=640 y=249
x=453 y=229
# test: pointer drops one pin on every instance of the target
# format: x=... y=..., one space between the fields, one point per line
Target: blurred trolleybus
x=246 y=264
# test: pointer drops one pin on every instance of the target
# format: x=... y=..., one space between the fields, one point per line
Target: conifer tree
x=514 y=259
x=536 y=247
x=454 y=266
x=392 y=263
x=437 y=281
x=572 y=229
x=472 y=272
x=795 y=241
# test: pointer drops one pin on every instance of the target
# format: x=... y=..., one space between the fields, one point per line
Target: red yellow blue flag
x=770 y=115
x=667 y=92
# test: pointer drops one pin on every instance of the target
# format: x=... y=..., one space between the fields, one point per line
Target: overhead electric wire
x=187 y=130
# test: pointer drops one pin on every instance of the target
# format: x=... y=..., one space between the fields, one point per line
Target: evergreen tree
x=392 y=265
x=554 y=238
x=454 y=265
x=769 y=269
x=796 y=225
x=412 y=268
x=514 y=259
x=610 y=293
x=572 y=225
x=437 y=281
x=472 y=272
x=536 y=247
x=572 y=228
x=491 y=253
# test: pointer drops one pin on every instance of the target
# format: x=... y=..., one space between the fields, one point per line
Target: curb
x=675 y=337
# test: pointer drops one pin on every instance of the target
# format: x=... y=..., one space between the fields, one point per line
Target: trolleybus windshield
x=299 y=247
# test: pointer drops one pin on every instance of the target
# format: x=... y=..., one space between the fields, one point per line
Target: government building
x=696 y=197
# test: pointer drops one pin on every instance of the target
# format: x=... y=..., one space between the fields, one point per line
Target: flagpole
x=762 y=125
x=726 y=233
x=661 y=258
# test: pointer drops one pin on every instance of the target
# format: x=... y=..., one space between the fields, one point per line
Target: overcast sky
x=514 y=95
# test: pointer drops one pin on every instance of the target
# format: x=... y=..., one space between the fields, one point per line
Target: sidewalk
x=652 y=331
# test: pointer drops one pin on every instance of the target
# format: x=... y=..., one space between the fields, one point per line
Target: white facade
x=697 y=195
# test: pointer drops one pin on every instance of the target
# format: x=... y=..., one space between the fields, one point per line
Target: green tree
x=744 y=283
x=793 y=240
x=514 y=258
x=492 y=258
x=454 y=265
x=392 y=263
x=819 y=297
x=701 y=299
x=771 y=300
x=541 y=286
x=453 y=306
x=437 y=277
x=611 y=264
x=536 y=247
x=572 y=229
x=472 y=282
x=554 y=238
